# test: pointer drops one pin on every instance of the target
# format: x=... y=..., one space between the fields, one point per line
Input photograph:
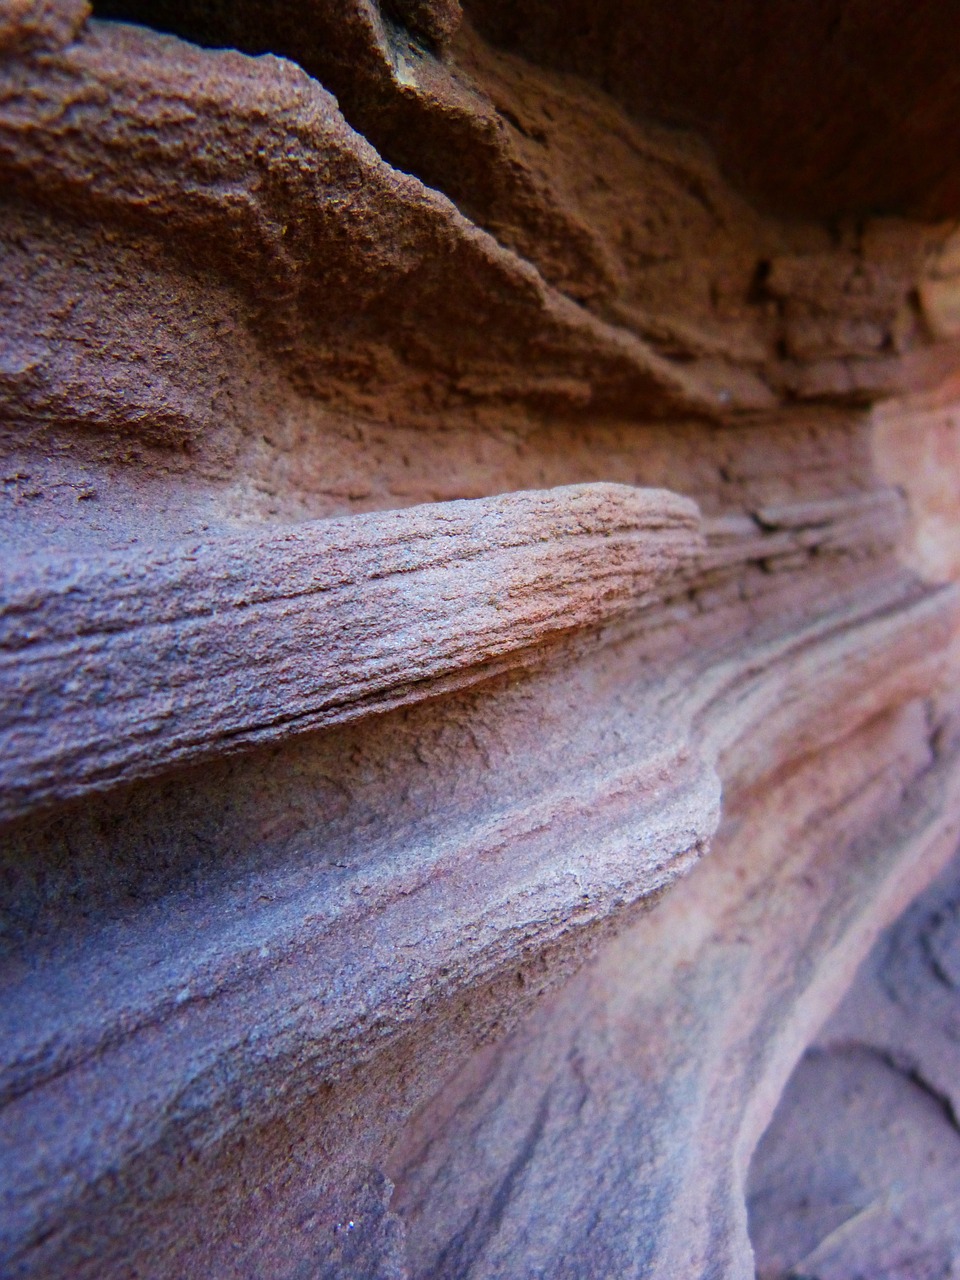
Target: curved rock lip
x=115 y=667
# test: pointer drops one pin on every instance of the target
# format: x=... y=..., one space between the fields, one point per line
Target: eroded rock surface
x=478 y=639
x=859 y=1173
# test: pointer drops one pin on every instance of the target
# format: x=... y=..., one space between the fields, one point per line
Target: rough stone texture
x=859 y=1173
x=478 y=633
x=265 y=636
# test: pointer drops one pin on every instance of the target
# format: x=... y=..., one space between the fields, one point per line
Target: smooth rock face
x=479 y=642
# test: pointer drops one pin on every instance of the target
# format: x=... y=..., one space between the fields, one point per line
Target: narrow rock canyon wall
x=481 y=505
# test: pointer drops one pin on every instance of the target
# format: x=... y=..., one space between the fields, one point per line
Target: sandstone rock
x=478 y=639
x=859 y=1173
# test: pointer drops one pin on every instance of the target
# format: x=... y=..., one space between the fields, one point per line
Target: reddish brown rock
x=477 y=634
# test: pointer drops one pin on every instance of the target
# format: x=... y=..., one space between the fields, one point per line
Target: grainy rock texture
x=478 y=635
x=859 y=1173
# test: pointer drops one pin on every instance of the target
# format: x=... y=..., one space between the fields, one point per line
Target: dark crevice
x=814 y=110
x=912 y=1073
x=217 y=24
x=347 y=47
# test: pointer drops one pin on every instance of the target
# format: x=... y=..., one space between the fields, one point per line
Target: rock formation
x=859 y=1173
x=478 y=637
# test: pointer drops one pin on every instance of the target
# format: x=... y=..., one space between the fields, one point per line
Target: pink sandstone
x=479 y=642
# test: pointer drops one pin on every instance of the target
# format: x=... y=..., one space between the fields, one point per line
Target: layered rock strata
x=478 y=647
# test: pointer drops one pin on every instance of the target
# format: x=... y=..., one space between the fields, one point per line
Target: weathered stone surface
x=859 y=1173
x=478 y=642
x=267 y=636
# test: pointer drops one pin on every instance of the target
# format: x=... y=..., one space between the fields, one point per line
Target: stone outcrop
x=478 y=639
